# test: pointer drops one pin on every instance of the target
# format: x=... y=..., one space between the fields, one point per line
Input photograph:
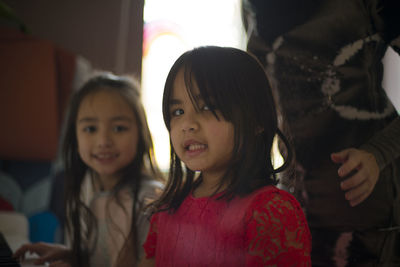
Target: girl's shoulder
x=276 y=228
x=150 y=182
x=271 y=199
x=150 y=189
x=271 y=192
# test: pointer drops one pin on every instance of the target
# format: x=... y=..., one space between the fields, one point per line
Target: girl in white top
x=110 y=176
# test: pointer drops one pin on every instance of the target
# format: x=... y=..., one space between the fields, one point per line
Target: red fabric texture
x=265 y=228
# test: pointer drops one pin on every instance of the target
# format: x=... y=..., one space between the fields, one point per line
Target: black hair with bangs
x=234 y=83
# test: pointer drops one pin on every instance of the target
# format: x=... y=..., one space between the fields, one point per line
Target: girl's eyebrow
x=197 y=99
x=174 y=101
x=121 y=118
x=93 y=119
x=86 y=120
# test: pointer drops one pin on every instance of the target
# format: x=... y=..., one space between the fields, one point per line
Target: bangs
x=200 y=90
x=207 y=85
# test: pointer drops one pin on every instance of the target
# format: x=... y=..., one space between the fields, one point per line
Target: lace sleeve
x=277 y=232
x=151 y=240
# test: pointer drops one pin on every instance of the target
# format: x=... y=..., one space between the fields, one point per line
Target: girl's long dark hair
x=81 y=223
x=234 y=83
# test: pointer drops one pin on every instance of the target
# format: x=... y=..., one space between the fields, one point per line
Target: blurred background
x=48 y=48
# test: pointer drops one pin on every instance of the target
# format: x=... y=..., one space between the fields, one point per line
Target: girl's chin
x=106 y=172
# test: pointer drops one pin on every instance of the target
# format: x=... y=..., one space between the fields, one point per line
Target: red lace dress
x=265 y=228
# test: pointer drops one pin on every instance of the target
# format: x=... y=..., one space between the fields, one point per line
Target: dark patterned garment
x=323 y=58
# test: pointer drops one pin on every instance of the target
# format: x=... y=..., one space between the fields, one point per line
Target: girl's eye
x=177 y=112
x=89 y=129
x=120 y=128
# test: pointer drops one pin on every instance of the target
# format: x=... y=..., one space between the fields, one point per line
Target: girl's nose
x=188 y=128
x=190 y=124
x=104 y=140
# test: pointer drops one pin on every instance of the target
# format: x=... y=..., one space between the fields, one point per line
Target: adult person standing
x=324 y=61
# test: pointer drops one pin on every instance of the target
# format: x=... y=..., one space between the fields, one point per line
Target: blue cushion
x=43 y=227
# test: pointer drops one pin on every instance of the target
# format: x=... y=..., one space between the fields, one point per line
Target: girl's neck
x=104 y=182
x=209 y=185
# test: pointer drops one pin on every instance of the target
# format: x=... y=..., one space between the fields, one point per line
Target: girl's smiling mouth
x=193 y=147
x=105 y=157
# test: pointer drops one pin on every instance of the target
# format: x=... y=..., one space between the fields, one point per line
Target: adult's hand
x=365 y=173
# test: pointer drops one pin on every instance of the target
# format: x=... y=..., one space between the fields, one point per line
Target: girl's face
x=107 y=134
x=200 y=140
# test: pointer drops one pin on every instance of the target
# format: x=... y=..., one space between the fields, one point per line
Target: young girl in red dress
x=221 y=206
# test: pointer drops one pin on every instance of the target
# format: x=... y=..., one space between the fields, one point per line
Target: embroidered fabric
x=266 y=228
x=277 y=233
